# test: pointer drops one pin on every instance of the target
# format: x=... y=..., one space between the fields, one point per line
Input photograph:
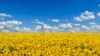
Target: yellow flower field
x=49 y=44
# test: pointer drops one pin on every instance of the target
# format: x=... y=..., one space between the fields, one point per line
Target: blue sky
x=53 y=13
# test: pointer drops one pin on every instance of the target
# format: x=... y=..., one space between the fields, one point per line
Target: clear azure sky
x=65 y=11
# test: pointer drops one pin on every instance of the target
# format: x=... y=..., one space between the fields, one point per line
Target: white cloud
x=68 y=25
x=22 y=29
x=26 y=29
x=38 y=22
x=84 y=27
x=2 y=23
x=46 y=28
x=42 y=26
x=75 y=30
x=55 y=28
x=11 y=23
x=98 y=14
x=72 y=30
x=16 y=26
x=92 y=23
x=85 y=16
x=38 y=28
x=1 y=27
x=54 y=20
x=92 y=27
x=7 y=26
x=95 y=27
x=4 y=30
x=77 y=24
x=3 y=15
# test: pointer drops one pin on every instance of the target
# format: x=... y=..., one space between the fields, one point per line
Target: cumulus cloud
x=75 y=30
x=13 y=23
x=54 y=20
x=91 y=27
x=46 y=28
x=84 y=27
x=26 y=29
x=3 y=15
x=67 y=25
x=10 y=23
x=22 y=29
x=92 y=23
x=2 y=23
x=77 y=24
x=95 y=27
x=38 y=22
x=56 y=28
x=7 y=26
x=85 y=16
x=38 y=28
x=1 y=27
x=5 y=30
x=42 y=26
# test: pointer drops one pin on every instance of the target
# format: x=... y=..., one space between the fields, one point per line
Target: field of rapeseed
x=49 y=44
